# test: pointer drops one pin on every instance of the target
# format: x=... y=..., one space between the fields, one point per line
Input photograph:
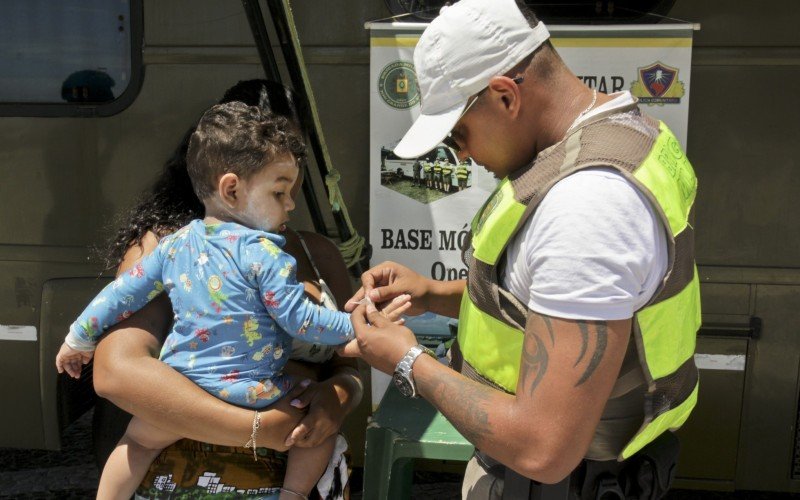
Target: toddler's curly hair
x=240 y=139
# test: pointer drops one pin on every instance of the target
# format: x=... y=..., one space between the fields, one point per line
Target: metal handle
x=751 y=330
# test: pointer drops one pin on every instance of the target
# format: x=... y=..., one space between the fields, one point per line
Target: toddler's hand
x=71 y=361
x=394 y=310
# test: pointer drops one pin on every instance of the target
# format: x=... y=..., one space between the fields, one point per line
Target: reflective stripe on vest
x=664 y=330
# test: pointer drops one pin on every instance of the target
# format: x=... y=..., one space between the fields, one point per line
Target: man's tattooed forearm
x=601 y=332
x=465 y=403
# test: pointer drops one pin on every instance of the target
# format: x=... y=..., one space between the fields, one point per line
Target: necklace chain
x=588 y=108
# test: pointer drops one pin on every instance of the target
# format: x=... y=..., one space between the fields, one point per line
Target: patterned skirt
x=189 y=469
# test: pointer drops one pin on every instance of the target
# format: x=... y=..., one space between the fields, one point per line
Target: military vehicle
x=87 y=123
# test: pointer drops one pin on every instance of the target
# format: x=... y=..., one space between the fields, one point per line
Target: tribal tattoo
x=601 y=331
x=535 y=356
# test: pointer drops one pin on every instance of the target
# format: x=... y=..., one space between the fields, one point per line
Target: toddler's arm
x=288 y=305
x=118 y=300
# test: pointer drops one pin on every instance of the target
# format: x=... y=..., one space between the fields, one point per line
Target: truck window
x=64 y=58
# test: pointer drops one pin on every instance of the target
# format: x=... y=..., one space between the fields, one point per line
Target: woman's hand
x=328 y=403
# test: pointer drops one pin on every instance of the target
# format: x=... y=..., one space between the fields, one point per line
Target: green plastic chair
x=401 y=430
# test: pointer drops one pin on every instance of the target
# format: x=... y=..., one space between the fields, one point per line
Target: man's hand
x=71 y=360
x=378 y=341
x=389 y=280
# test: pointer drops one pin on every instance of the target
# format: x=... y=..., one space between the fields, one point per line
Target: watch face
x=403 y=385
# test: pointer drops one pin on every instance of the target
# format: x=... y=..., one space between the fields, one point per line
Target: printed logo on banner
x=397 y=85
x=658 y=84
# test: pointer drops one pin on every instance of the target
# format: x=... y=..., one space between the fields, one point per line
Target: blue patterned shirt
x=237 y=302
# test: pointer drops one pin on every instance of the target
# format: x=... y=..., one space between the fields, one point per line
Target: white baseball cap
x=460 y=51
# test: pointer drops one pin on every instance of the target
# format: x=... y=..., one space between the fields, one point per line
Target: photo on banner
x=421 y=208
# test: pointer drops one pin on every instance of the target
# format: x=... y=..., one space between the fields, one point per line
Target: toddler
x=233 y=290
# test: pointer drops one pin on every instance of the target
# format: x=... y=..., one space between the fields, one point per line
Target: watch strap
x=404 y=367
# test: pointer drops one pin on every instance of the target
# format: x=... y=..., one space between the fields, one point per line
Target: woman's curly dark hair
x=171 y=202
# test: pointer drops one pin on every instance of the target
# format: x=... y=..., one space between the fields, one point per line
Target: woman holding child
x=127 y=373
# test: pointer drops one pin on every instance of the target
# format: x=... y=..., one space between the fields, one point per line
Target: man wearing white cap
x=577 y=322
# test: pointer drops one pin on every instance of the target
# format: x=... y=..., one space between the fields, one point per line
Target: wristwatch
x=403 y=377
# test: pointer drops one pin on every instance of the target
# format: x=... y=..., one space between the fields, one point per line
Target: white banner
x=420 y=209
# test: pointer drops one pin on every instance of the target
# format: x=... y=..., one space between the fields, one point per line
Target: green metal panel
x=402 y=431
x=710 y=438
x=725 y=298
x=763 y=404
x=745 y=214
x=420 y=428
x=196 y=23
x=64 y=177
x=62 y=300
x=771 y=394
x=744 y=24
x=23 y=421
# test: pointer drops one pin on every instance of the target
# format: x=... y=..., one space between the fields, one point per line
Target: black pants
x=647 y=475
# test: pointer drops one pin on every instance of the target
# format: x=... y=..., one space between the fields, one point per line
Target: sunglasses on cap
x=449 y=141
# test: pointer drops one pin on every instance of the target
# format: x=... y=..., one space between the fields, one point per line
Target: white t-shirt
x=594 y=249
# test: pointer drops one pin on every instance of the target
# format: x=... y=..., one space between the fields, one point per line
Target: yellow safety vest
x=491 y=330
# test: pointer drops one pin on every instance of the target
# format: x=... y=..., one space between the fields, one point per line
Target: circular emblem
x=397 y=85
x=214 y=283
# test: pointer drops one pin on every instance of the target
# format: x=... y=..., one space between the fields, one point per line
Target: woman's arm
x=341 y=390
x=333 y=269
x=127 y=372
x=331 y=265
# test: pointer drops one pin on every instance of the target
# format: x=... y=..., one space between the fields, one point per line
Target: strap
x=626 y=383
x=308 y=254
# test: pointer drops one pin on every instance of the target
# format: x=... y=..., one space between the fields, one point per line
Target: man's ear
x=507 y=94
x=229 y=189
